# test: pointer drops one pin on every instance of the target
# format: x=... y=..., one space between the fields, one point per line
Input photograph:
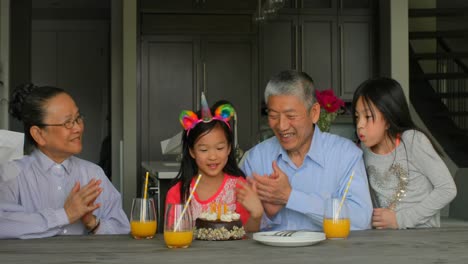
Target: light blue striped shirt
x=33 y=191
x=324 y=173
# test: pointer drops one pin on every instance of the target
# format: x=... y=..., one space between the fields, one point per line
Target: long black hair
x=27 y=105
x=188 y=166
x=388 y=97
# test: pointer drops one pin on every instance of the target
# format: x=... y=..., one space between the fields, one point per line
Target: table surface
x=448 y=244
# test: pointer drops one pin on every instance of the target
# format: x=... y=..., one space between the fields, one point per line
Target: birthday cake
x=217 y=225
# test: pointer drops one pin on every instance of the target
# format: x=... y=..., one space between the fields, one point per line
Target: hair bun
x=17 y=99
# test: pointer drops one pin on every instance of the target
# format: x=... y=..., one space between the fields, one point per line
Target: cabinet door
x=329 y=7
x=199 y=5
x=73 y=55
x=168 y=5
x=356 y=4
x=167 y=80
x=319 y=5
x=247 y=5
x=318 y=48
x=356 y=51
x=356 y=7
x=279 y=47
x=229 y=73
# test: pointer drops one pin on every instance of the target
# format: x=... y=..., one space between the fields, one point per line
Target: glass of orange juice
x=178 y=226
x=143 y=218
x=336 y=222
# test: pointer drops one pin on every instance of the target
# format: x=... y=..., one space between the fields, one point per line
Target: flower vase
x=330 y=106
x=325 y=120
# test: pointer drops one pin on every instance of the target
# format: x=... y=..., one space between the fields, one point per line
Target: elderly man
x=299 y=168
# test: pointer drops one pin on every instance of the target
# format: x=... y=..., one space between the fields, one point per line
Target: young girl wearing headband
x=208 y=151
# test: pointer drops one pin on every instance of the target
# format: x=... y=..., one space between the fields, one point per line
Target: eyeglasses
x=68 y=124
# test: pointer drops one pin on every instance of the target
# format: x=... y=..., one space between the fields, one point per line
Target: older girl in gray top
x=409 y=181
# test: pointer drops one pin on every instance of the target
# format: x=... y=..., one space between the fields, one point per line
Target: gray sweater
x=412 y=180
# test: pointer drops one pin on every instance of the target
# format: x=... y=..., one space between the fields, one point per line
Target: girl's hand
x=384 y=218
x=246 y=195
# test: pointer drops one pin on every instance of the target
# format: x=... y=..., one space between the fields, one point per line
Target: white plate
x=299 y=239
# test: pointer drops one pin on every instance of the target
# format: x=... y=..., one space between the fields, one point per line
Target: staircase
x=440 y=96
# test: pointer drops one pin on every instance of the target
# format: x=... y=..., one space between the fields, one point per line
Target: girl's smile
x=211 y=152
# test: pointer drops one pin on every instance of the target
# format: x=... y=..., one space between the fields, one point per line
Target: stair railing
x=453 y=91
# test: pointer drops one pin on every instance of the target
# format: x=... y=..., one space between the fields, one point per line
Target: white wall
x=116 y=93
x=393 y=35
x=4 y=61
x=399 y=43
x=129 y=103
x=458 y=206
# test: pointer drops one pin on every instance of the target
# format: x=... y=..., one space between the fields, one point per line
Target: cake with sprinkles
x=219 y=224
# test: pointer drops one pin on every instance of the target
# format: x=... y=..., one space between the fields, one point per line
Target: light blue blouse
x=33 y=191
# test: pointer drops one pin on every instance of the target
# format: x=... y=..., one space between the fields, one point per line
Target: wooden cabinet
x=319 y=50
x=198 y=5
x=167 y=80
x=335 y=50
x=350 y=7
x=168 y=5
x=356 y=53
x=62 y=52
x=278 y=44
x=174 y=71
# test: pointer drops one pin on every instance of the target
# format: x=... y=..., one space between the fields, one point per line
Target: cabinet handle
x=340 y=28
x=293 y=47
x=121 y=166
x=300 y=37
x=197 y=85
x=205 y=90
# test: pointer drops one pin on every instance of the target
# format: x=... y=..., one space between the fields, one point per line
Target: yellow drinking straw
x=187 y=203
x=146 y=185
x=142 y=216
x=344 y=195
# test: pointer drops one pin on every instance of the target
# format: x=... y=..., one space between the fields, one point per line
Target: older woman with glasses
x=51 y=192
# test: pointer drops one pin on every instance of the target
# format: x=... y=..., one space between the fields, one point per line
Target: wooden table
x=439 y=245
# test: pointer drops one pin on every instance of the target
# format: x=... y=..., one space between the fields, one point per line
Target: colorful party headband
x=189 y=119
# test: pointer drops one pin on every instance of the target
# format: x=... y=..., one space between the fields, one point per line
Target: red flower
x=328 y=100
